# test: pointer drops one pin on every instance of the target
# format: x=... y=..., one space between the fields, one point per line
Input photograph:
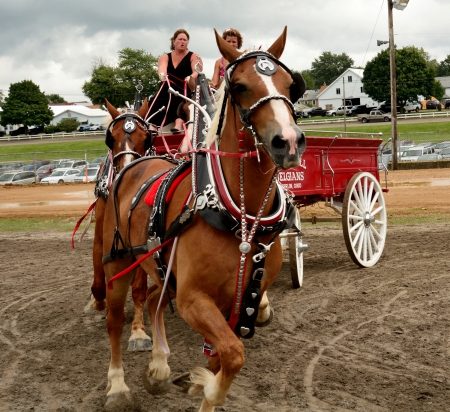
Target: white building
x=82 y=114
x=347 y=90
x=445 y=81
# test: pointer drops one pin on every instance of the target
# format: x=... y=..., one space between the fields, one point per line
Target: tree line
x=416 y=73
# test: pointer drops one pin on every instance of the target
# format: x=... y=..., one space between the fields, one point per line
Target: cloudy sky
x=55 y=43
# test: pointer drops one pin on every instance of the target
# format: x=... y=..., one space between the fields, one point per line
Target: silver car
x=18 y=178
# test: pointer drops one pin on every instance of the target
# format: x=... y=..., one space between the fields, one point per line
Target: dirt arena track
x=375 y=339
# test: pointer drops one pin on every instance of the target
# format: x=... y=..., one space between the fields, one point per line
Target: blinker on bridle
x=129 y=126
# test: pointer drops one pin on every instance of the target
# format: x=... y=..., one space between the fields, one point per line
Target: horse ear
x=111 y=109
x=277 y=47
x=144 y=108
x=227 y=51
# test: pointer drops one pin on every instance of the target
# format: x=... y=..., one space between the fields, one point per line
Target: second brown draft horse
x=219 y=224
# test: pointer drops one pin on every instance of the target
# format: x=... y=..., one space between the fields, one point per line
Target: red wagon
x=343 y=172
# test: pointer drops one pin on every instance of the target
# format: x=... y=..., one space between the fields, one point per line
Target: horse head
x=127 y=136
x=263 y=90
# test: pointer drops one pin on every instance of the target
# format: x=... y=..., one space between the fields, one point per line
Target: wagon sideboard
x=327 y=166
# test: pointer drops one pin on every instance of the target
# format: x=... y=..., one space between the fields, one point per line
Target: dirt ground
x=374 y=339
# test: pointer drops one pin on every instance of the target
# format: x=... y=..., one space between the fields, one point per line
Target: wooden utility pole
x=393 y=87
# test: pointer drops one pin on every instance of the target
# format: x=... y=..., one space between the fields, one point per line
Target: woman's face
x=232 y=40
x=181 y=42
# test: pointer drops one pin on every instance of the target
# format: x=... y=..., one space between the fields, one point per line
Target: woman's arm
x=163 y=62
x=215 y=81
x=195 y=58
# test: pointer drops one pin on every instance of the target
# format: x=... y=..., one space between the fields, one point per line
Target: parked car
x=412 y=154
x=412 y=107
x=36 y=130
x=445 y=153
x=45 y=170
x=95 y=127
x=57 y=162
x=18 y=178
x=59 y=176
x=35 y=165
x=386 y=107
x=97 y=161
x=87 y=175
x=429 y=157
x=427 y=144
x=84 y=128
x=441 y=145
x=361 y=109
x=339 y=111
x=316 y=111
x=72 y=164
x=374 y=116
x=434 y=104
x=19 y=131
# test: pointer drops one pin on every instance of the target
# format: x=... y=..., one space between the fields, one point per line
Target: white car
x=86 y=175
x=60 y=176
x=72 y=164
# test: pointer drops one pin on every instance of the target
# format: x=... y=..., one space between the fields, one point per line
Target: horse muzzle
x=285 y=150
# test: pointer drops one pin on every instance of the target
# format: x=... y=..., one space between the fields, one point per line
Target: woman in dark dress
x=178 y=67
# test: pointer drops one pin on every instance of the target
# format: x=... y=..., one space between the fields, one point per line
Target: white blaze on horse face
x=128 y=157
x=282 y=113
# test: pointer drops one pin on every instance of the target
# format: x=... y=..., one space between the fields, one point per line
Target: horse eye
x=239 y=88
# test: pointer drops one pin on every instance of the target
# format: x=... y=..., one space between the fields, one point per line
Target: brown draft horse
x=206 y=260
x=124 y=151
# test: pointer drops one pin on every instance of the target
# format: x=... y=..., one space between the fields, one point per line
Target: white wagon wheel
x=296 y=249
x=364 y=219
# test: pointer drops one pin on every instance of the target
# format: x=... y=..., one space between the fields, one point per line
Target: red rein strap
x=79 y=222
x=137 y=263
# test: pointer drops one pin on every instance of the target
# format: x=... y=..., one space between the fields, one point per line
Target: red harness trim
x=79 y=222
x=137 y=263
x=228 y=203
x=150 y=197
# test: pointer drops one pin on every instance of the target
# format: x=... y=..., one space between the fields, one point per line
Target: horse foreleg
x=156 y=377
x=265 y=312
x=203 y=315
x=117 y=391
x=98 y=287
x=139 y=340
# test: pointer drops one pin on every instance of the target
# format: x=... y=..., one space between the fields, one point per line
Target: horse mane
x=212 y=136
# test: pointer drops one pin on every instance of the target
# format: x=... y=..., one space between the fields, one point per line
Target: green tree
x=55 y=98
x=328 y=67
x=443 y=68
x=414 y=76
x=68 y=125
x=26 y=105
x=117 y=84
x=310 y=84
x=437 y=90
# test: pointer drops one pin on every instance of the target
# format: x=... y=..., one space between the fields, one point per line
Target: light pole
x=399 y=5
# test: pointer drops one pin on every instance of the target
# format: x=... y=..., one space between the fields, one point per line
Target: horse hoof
x=155 y=387
x=267 y=321
x=140 y=345
x=119 y=401
x=99 y=304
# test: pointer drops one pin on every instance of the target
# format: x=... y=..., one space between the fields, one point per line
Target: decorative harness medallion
x=265 y=66
x=129 y=126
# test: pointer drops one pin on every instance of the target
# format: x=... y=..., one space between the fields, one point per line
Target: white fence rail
x=50 y=136
x=419 y=115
